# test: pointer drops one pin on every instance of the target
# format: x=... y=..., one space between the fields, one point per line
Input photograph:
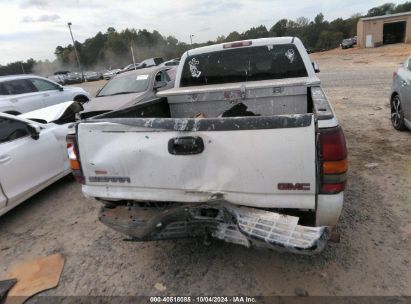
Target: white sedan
x=33 y=151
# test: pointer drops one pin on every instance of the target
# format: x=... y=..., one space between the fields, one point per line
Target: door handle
x=4 y=158
x=187 y=145
x=14 y=100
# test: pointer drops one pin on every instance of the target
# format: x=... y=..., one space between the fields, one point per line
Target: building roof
x=386 y=16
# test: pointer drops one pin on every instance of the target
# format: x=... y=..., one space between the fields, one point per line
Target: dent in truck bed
x=245 y=226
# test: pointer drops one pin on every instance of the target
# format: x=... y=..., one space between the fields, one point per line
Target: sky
x=33 y=28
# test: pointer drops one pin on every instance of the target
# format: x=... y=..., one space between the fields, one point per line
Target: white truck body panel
x=243 y=167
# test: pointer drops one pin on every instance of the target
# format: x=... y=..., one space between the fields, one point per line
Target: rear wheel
x=81 y=99
x=397 y=113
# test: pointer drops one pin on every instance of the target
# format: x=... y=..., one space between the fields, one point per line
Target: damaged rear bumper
x=245 y=226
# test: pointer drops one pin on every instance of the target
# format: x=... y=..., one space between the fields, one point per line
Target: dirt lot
x=373 y=257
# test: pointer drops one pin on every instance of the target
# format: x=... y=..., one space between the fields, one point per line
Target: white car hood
x=48 y=114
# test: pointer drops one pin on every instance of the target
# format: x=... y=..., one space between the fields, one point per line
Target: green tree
x=319 y=19
x=404 y=7
x=329 y=40
x=280 y=28
x=381 y=10
x=233 y=36
x=256 y=32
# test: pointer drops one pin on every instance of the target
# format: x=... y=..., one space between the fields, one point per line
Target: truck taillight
x=72 y=152
x=334 y=164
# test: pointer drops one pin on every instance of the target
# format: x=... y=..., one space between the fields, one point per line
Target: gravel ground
x=373 y=257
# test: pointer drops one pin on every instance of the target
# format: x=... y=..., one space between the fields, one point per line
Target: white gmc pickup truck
x=246 y=148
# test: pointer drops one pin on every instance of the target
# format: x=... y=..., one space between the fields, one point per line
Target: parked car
x=128 y=89
x=130 y=67
x=62 y=72
x=74 y=78
x=60 y=76
x=24 y=93
x=93 y=76
x=151 y=62
x=348 y=43
x=245 y=148
x=172 y=62
x=111 y=73
x=401 y=97
x=143 y=64
x=60 y=79
x=33 y=151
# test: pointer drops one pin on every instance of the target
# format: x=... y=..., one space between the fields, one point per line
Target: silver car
x=401 y=97
x=129 y=88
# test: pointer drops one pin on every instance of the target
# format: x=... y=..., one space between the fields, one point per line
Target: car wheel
x=81 y=99
x=397 y=114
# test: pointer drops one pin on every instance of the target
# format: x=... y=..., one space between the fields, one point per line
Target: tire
x=397 y=113
x=81 y=99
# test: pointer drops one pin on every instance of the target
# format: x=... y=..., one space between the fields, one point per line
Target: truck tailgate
x=254 y=161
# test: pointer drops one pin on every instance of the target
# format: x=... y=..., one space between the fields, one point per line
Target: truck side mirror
x=316 y=67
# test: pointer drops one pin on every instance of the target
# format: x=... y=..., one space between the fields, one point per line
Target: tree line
x=112 y=49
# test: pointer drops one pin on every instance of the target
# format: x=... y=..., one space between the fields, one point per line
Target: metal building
x=387 y=29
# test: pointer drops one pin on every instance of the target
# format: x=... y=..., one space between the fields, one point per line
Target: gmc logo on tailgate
x=291 y=186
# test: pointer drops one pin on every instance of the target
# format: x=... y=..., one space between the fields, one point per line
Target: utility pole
x=132 y=54
x=191 y=39
x=75 y=51
x=22 y=67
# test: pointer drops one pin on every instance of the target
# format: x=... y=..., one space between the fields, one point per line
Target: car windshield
x=125 y=84
x=243 y=64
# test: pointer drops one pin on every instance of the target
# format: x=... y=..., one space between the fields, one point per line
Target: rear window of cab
x=243 y=64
